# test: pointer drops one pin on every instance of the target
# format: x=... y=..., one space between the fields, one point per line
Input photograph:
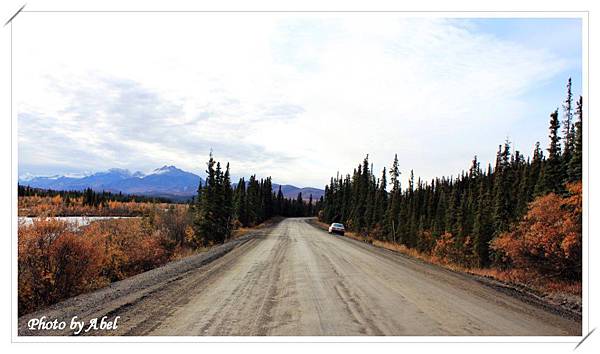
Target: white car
x=337 y=228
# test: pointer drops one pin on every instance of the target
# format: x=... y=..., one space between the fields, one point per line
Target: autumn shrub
x=54 y=263
x=58 y=206
x=425 y=241
x=129 y=246
x=173 y=222
x=453 y=250
x=547 y=241
x=58 y=260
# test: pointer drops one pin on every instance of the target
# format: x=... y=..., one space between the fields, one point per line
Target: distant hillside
x=167 y=181
x=290 y=191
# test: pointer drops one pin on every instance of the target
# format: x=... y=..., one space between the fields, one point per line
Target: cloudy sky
x=294 y=96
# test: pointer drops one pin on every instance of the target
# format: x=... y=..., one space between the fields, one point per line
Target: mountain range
x=167 y=181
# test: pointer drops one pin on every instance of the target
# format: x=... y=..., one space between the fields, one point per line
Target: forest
x=521 y=214
x=220 y=207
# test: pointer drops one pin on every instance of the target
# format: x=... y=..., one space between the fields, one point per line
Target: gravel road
x=295 y=279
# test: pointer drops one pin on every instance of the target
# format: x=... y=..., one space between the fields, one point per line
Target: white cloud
x=298 y=97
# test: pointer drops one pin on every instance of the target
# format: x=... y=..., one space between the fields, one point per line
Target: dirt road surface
x=295 y=279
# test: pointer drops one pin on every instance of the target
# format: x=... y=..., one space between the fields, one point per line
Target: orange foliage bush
x=448 y=249
x=129 y=247
x=54 y=263
x=58 y=260
x=548 y=239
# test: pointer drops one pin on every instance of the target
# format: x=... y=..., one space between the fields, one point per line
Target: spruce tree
x=535 y=171
x=482 y=227
x=452 y=209
x=568 y=132
x=227 y=192
x=553 y=168
x=502 y=191
x=299 y=205
x=439 y=222
x=393 y=210
x=205 y=220
x=280 y=201
x=253 y=200
x=240 y=203
x=575 y=164
x=381 y=199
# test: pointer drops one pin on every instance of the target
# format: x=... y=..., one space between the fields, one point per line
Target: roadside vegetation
x=519 y=220
x=58 y=259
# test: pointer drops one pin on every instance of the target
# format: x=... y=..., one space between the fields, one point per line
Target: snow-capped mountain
x=167 y=181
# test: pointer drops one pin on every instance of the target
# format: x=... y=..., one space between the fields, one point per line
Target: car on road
x=337 y=228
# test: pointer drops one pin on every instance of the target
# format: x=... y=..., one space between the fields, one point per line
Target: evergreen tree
x=393 y=210
x=568 y=129
x=205 y=220
x=482 y=228
x=227 y=210
x=535 y=172
x=553 y=168
x=439 y=222
x=280 y=201
x=253 y=200
x=575 y=164
x=502 y=191
x=381 y=199
x=299 y=206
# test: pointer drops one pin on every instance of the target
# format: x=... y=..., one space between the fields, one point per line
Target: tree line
x=219 y=207
x=470 y=209
x=90 y=197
